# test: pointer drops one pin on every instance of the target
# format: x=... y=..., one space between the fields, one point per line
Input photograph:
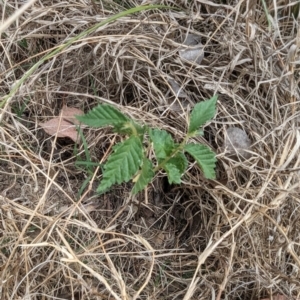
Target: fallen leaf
x=64 y=125
x=70 y=113
x=61 y=128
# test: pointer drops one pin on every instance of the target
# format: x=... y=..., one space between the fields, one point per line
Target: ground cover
x=233 y=237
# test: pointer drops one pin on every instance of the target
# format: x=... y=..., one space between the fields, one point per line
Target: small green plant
x=87 y=164
x=129 y=159
x=23 y=43
x=19 y=109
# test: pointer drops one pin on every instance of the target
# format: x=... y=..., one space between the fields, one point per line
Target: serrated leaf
x=205 y=158
x=145 y=176
x=180 y=161
x=163 y=143
x=202 y=112
x=103 y=115
x=175 y=167
x=174 y=175
x=122 y=164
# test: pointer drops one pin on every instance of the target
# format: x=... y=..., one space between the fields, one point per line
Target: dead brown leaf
x=70 y=113
x=64 y=126
x=61 y=128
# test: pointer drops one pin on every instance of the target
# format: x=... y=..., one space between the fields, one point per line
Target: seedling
x=129 y=159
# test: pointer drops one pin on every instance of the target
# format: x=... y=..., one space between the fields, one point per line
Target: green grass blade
x=85 y=145
x=267 y=13
x=84 y=185
x=62 y=47
x=87 y=164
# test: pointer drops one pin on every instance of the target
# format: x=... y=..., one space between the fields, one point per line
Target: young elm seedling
x=129 y=160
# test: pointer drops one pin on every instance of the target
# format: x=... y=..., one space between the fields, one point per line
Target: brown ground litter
x=236 y=237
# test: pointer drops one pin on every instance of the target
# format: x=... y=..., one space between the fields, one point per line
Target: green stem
x=133 y=128
x=174 y=152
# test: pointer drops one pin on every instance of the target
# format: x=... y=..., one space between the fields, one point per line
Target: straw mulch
x=236 y=237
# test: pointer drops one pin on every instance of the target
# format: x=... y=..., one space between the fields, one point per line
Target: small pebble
x=237 y=143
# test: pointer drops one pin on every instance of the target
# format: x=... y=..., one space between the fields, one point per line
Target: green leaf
x=144 y=176
x=122 y=164
x=199 y=132
x=86 y=151
x=180 y=161
x=163 y=143
x=205 y=158
x=175 y=167
x=174 y=175
x=104 y=115
x=84 y=185
x=202 y=112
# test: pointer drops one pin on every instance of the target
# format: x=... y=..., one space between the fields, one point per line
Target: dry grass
x=233 y=238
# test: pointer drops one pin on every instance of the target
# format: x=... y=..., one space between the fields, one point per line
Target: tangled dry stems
x=232 y=238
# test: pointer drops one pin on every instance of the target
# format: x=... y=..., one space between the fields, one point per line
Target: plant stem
x=174 y=152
